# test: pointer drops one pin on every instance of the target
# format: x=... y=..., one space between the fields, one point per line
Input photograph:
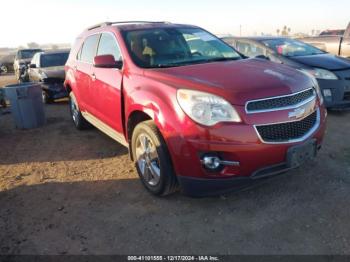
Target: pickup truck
x=334 y=44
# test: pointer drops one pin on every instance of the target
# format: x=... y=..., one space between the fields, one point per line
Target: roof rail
x=140 y=22
x=125 y=22
x=99 y=25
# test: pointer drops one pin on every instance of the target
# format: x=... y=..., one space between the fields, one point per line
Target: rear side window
x=88 y=51
x=109 y=46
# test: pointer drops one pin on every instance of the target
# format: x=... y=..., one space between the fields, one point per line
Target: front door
x=106 y=85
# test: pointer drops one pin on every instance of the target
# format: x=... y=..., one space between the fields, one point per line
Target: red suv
x=193 y=111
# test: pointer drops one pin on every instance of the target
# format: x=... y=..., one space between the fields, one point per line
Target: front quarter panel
x=155 y=99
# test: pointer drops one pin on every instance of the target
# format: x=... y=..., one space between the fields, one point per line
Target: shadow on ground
x=58 y=140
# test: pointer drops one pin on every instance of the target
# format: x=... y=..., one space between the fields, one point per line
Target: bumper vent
x=288 y=132
x=278 y=103
x=347 y=96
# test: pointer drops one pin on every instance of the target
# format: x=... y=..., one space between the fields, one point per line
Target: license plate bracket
x=300 y=154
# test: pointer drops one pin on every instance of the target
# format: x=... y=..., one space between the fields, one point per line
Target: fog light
x=211 y=162
x=327 y=92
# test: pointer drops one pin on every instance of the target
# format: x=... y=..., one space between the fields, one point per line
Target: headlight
x=321 y=74
x=315 y=84
x=205 y=108
x=42 y=75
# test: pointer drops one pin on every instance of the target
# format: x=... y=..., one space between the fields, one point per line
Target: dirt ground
x=68 y=192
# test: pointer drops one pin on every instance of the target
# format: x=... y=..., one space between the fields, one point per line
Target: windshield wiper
x=193 y=62
x=220 y=59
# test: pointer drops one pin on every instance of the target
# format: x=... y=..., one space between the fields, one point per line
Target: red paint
x=115 y=94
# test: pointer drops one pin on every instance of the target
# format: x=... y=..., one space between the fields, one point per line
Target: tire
x=4 y=69
x=17 y=75
x=78 y=120
x=46 y=98
x=154 y=166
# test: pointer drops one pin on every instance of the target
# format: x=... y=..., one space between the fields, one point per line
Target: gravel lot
x=68 y=192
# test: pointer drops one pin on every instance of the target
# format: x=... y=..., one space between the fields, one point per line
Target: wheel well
x=68 y=88
x=134 y=119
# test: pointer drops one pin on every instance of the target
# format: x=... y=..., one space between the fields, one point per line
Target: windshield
x=49 y=60
x=26 y=54
x=290 y=47
x=170 y=47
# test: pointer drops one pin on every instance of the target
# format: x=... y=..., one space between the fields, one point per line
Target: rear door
x=107 y=83
x=83 y=74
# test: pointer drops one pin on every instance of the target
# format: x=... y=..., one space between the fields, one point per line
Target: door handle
x=93 y=76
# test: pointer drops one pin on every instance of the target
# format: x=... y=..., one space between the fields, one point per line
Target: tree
x=33 y=45
x=278 y=31
x=54 y=47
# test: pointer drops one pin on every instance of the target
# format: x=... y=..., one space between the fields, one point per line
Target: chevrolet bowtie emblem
x=297 y=113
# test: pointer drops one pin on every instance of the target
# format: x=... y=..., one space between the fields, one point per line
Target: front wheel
x=152 y=159
x=46 y=98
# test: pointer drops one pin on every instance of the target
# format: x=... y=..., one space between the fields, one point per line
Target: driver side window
x=35 y=60
x=249 y=49
x=109 y=46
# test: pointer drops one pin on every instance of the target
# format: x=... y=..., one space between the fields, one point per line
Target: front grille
x=280 y=102
x=285 y=132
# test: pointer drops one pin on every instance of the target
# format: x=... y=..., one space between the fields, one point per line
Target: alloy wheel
x=147 y=160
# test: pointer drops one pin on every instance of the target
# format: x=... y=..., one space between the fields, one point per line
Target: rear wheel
x=4 y=69
x=152 y=159
x=78 y=119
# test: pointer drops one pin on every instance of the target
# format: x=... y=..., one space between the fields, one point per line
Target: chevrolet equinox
x=194 y=113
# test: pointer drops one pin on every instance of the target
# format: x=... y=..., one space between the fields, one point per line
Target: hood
x=325 y=61
x=236 y=81
x=54 y=72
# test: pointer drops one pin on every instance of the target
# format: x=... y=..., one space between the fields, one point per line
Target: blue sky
x=59 y=21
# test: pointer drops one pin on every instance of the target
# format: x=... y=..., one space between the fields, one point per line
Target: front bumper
x=200 y=187
x=236 y=143
x=55 y=90
x=339 y=89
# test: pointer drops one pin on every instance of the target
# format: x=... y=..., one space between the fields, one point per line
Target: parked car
x=47 y=68
x=332 y=72
x=6 y=64
x=338 y=32
x=22 y=60
x=332 y=42
x=204 y=118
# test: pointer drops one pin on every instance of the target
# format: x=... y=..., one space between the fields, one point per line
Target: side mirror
x=262 y=57
x=32 y=65
x=107 y=61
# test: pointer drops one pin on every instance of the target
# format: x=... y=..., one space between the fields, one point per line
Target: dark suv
x=192 y=111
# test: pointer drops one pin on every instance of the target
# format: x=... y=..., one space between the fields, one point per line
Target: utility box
x=27 y=107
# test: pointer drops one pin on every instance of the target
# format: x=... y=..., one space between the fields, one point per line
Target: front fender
x=157 y=100
x=70 y=84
